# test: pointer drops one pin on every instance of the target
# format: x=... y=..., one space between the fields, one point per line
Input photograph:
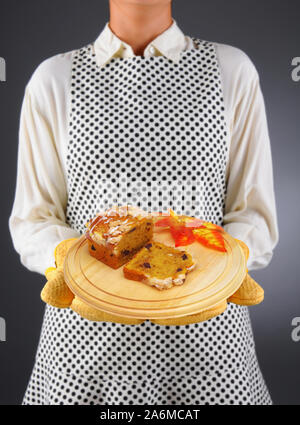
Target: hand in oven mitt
x=57 y=293
x=249 y=293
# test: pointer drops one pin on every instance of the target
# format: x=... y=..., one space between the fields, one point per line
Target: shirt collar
x=169 y=43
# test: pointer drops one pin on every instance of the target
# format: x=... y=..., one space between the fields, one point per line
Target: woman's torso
x=159 y=126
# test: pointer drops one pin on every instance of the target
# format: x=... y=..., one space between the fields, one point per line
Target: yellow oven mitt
x=57 y=293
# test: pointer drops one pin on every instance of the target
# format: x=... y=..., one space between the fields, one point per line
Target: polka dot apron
x=151 y=133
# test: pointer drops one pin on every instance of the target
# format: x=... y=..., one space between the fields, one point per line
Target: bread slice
x=159 y=265
x=115 y=235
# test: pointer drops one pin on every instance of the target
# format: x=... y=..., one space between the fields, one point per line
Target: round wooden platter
x=216 y=277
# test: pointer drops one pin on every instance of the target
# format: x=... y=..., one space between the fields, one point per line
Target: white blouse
x=37 y=222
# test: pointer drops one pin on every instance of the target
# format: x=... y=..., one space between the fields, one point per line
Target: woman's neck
x=138 y=24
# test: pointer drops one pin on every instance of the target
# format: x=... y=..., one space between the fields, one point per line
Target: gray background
x=268 y=31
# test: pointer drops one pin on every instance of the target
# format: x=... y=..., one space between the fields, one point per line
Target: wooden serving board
x=215 y=278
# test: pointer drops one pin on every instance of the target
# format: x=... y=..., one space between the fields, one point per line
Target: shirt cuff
x=247 y=233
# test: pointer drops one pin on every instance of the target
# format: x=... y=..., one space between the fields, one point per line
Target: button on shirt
x=169 y=43
x=37 y=222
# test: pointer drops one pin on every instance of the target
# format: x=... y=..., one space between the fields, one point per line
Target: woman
x=147 y=103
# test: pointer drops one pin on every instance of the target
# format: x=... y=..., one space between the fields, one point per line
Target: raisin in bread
x=115 y=235
x=159 y=265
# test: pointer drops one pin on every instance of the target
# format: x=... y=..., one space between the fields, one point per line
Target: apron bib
x=146 y=130
x=151 y=133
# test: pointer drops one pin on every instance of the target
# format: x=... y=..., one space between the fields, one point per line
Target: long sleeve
x=37 y=221
x=250 y=211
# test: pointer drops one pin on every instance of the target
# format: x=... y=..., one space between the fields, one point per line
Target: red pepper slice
x=185 y=230
x=182 y=235
x=210 y=238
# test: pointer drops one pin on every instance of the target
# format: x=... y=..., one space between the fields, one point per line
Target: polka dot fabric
x=148 y=132
x=139 y=129
x=82 y=362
